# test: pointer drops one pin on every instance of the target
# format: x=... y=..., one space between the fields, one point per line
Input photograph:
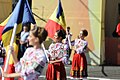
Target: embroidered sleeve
x=64 y=55
x=18 y=67
x=27 y=65
x=64 y=58
x=58 y=51
x=81 y=46
x=36 y=66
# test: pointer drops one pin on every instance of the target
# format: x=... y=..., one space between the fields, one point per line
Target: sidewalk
x=95 y=72
x=111 y=72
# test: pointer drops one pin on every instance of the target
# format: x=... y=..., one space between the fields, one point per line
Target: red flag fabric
x=1 y=29
x=2 y=25
x=56 y=21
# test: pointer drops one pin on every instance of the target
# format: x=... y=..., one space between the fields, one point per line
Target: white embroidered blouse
x=57 y=51
x=80 y=45
x=31 y=64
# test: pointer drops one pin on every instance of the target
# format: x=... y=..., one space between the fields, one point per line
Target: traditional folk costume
x=31 y=64
x=79 y=63
x=56 y=71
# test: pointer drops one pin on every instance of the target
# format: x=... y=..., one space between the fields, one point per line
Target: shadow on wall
x=92 y=13
x=112 y=51
x=89 y=59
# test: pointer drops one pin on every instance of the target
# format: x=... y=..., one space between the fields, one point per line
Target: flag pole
x=9 y=51
x=45 y=52
x=69 y=41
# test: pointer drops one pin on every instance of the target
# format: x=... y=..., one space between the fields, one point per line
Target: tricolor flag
x=21 y=14
x=2 y=25
x=56 y=21
x=1 y=29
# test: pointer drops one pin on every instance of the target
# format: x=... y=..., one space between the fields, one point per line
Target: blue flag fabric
x=60 y=10
x=21 y=14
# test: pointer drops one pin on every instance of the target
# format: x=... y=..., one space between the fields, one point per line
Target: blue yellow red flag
x=2 y=25
x=21 y=14
x=56 y=21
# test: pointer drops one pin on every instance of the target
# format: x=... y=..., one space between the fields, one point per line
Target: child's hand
x=51 y=62
x=11 y=48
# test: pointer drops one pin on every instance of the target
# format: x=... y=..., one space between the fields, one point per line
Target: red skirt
x=79 y=66
x=56 y=71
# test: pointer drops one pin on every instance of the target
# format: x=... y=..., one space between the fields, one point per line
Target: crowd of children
x=31 y=64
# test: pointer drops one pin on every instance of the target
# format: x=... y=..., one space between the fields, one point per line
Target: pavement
x=104 y=72
x=94 y=73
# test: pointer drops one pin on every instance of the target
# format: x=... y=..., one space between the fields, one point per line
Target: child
x=33 y=61
x=56 y=69
x=79 y=63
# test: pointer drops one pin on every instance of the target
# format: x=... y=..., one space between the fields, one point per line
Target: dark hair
x=68 y=28
x=26 y=24
x=61 y=33
x=41 y=33
x=85 y=32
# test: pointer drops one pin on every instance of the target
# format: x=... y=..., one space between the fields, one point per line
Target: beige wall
x=79 y=14
x=5 y=9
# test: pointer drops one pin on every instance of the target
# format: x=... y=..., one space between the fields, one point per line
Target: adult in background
x=23 y=40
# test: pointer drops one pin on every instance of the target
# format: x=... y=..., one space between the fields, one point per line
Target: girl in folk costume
x=33 y=61
x=79 y=63
x=57 y=56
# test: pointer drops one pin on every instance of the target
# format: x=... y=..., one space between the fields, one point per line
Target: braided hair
x=40 y=32
x=61 y=33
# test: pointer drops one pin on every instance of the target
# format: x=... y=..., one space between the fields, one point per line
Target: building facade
x=88 y=14
x=112 y=41
x=97 y=16
x=5 y=9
